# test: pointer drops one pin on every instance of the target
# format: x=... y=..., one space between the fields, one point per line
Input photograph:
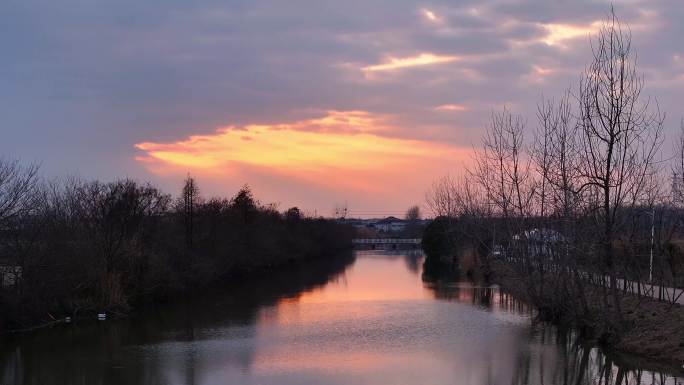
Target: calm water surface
x=371 y=318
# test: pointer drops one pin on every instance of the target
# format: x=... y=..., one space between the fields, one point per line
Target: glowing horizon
x=343 y=151
x=348 y=141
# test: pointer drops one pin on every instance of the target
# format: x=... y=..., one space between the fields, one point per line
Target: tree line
x=75 y=247
x=586 y=209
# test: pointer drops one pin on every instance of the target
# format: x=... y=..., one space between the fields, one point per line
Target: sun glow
x=451 y=107
x=310 y=163
x=559 y=33
x=542 y=71
x=284 y=148
x=424 y=59
x=430 y=15
x=345 y=144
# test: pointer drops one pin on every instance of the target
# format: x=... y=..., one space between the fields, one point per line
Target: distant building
x=540 y=242
x=540 y=235
x=390 y=225
x=358 y=223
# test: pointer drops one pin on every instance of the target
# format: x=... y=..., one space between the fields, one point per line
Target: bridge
x=392 y=242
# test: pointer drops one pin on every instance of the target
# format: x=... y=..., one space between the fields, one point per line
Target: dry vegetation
x=73 y=248
x=654 y=326
x=580 y=213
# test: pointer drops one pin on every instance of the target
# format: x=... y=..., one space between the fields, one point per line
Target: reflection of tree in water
x=551 y=356
x=114 y=352
x=414 y=260
x=574 y=361
x=447 y=282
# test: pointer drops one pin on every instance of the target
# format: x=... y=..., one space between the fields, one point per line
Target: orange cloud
x=305 y=145
x=336 y=121
x=342 y=150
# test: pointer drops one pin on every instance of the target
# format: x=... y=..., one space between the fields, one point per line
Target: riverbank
x=114 y=248
x=653 y=333
x=287 y=278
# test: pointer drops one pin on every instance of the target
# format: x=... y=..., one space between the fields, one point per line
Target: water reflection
x=164 y=345
x=557 y=357
x=553 y=356
x=379 y=318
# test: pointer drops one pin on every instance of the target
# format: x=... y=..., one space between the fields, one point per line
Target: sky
x=311 y=103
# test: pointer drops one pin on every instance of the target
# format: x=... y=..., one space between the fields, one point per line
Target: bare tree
x=563 y=175
x=555 y=156
x=19 y=198
x=440 y=197
x=413 y=226
x=190 y=198
x=502 y=169
x=341 y=210
x=413 y=213
x=456 y=197
x=17 y=187
x=541 y=150
x=620 y=135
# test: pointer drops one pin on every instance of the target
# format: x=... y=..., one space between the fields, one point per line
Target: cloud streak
x=423 y=59
x=451 y=108
x=559 y=33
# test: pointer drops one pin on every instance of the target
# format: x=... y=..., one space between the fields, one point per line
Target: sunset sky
x=311 y=103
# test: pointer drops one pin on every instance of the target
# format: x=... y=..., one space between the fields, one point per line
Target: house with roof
x=390 y=225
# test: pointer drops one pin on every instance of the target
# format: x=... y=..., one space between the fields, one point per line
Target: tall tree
x=17 y=190
x=503 y=171
x=190 y=198
x=620 y=134
x=413 y=213
x=413 y=217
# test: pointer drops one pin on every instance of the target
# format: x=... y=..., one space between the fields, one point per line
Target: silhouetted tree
x=190 y=198
x=413 y=213
x=88 y=247
x=620 y=135
x=341 y=211
x=17 y=191
x=293 y=214
x=413 y=224
x=244 y=204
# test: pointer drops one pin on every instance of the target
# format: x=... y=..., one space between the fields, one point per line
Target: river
x=368 y=318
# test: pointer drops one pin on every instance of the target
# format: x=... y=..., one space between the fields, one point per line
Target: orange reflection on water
x=379 y=319
x=379 y=281
x=370 y=279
